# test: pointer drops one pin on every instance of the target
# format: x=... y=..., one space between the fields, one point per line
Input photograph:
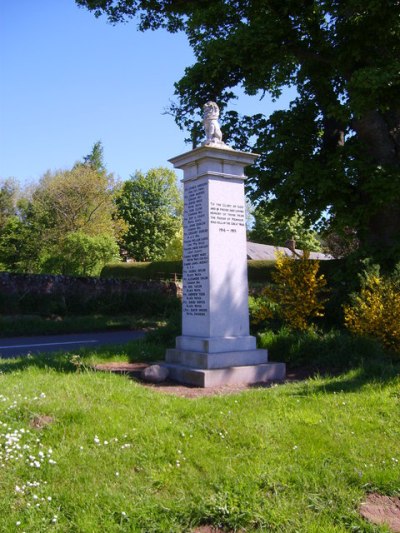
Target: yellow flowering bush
x=375 y=311
x=297 y=293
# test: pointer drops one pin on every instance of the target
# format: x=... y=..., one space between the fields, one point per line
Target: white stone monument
x=215 y=347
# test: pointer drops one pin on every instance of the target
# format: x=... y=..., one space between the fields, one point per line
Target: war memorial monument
x=216 y=347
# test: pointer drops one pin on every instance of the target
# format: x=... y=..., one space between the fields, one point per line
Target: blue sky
x=69 y=80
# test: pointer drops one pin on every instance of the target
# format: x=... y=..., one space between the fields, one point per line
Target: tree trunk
x=380 y=136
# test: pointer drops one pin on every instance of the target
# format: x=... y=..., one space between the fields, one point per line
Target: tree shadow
x=135 y=351
x=380 y=372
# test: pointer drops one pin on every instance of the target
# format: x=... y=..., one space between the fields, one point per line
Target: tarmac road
x=18 y=346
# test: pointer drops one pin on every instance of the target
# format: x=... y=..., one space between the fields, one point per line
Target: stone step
x=227 y=376
x=204 y=360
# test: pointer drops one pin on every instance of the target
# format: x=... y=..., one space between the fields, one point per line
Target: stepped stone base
x=214 y=361
x=227 y=376
x=216 y=344
x=205 y=360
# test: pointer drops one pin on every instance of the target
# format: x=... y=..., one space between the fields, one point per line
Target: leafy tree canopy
x=95 y=159
x=269 y=228
x=66 y=224
x=337 y=149
x=8 y=191
x=80 y=199
x=151 y=206
x=81 y=255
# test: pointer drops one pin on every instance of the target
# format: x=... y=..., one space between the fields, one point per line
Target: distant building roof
x=267 y=252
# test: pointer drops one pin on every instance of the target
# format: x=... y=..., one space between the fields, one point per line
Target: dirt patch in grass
x=187 y=391
x=207 y=529
x=41 y=421
x=382 y=510
x=133 y=369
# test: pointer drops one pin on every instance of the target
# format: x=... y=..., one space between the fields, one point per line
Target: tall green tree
x=8 y=200
x=80 y=199
x=151 y=206
x=337 y=149
x=66 y=224
x=95 y=159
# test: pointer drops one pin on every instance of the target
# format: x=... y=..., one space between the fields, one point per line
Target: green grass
x=22 y=325
x=298 y=457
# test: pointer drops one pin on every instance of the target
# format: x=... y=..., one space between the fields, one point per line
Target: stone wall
x=21 y=293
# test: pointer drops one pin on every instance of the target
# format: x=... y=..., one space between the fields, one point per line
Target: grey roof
x=267 y=252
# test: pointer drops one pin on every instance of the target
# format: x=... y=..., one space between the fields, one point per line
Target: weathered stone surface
x=155 y=374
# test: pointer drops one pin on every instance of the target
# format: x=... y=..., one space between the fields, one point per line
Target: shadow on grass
x=150 y=349
x=383 y=372
x=347 y=362
x=134 y=352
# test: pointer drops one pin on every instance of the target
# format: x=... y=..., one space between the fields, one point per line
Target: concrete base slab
x=203 y=360
x=227 y=376
x=216 y=344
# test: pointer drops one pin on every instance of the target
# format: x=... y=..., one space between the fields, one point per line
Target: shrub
x=375 y=310
x=81 y=255
x=336 y=350
x=297 y=293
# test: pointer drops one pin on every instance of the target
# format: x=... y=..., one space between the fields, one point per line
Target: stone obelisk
x=215 y=347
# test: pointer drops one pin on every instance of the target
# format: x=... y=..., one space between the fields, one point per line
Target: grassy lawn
x=82 y=451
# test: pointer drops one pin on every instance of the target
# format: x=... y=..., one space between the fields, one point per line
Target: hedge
x=158 y=270
x=258 y=271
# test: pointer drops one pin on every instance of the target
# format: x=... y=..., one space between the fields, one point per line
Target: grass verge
x=85 y=451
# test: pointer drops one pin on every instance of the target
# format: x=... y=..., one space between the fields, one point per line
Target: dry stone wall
x=29 y=293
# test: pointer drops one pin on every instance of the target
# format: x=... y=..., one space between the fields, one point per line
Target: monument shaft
x=215 y=292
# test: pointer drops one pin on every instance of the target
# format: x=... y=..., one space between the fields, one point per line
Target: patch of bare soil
x=41 y=421
x=382 y=510
x=171 y=387
x=133 y=369
x=207 y=529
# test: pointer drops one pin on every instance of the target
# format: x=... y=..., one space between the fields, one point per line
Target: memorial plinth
x=215 y=347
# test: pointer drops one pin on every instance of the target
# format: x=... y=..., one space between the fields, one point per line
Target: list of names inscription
x=195 y=251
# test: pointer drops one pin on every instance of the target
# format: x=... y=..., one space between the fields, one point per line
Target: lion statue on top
x=211 y=125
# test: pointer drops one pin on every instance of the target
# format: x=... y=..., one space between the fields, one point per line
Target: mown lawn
x=82 y=451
